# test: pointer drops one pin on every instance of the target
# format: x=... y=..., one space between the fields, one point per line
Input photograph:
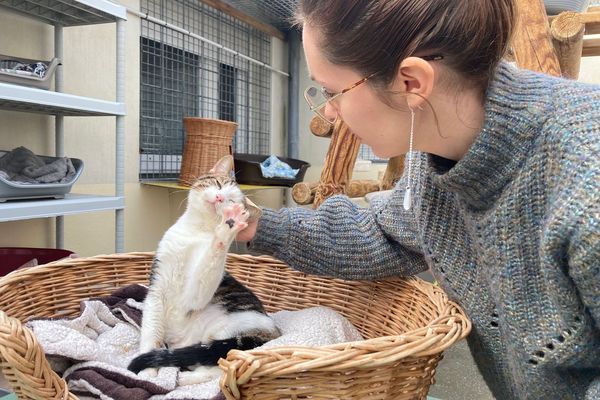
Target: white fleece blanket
x=93 y=350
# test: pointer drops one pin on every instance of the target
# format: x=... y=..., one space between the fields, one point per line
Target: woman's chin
x=385 y=153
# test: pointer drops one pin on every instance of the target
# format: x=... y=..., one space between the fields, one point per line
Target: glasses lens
x=317 y=102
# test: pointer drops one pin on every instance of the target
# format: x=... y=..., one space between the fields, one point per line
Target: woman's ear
x=415 y=76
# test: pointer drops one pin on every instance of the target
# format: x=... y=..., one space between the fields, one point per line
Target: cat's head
x=218 y=189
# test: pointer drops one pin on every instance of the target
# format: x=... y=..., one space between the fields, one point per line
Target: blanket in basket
x=92 y=351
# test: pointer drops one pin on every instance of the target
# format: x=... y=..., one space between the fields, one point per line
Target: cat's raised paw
x=236 y=216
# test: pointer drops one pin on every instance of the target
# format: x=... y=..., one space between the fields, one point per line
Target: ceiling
x=274 y=12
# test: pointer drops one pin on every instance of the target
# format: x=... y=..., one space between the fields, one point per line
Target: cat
x=193 y=305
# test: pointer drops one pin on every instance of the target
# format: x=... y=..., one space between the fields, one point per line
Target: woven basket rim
x=212 y=120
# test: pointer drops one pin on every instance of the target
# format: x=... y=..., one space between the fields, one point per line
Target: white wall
x=590 y=70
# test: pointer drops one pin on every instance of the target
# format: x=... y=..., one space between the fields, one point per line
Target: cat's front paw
x=236 y=217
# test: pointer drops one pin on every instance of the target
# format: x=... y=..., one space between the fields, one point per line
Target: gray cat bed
x=24 y=175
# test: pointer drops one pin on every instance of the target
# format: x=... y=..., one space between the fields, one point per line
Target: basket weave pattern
x=206 y=141
x=407 y=324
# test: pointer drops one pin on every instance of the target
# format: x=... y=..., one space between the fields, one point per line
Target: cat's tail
x=197 y=354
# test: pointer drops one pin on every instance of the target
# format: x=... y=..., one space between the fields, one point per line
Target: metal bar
x=293 y=95
x=120 y=138
x=59 y=140
x=59 y=127
x=28 y=99
x=71 y=204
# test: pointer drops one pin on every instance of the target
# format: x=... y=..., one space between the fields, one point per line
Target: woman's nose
x=330 y=112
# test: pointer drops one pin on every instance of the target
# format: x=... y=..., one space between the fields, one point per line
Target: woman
x=500 y=199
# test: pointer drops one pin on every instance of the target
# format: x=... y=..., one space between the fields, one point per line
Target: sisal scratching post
x=339 y=163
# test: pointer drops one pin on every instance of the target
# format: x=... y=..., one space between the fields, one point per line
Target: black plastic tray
x=247 y=170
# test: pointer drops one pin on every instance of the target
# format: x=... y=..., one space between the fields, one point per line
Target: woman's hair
x=374 y=36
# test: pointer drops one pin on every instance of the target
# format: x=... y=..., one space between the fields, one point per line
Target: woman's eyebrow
x=312 y=78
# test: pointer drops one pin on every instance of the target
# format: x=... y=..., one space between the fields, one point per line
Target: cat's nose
x=219 y=198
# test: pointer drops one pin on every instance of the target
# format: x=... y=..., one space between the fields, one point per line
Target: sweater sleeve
x=584 y=263
x=584 y=246
x=342 y=239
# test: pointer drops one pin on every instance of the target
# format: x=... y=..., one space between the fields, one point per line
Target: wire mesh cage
x=191 y=75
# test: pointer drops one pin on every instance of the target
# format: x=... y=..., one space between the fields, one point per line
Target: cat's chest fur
x=186 y=256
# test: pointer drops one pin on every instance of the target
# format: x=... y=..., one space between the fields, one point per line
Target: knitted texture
x=511 y=232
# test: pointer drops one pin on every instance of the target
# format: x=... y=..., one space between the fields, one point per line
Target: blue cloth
x=273 y=167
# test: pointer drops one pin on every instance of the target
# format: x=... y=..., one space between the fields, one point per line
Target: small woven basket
x=407 y=324
x=206 y=141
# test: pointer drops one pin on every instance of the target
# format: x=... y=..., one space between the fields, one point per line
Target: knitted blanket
x=92 y=351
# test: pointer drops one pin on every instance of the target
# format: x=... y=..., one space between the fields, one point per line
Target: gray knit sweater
x=511 y=232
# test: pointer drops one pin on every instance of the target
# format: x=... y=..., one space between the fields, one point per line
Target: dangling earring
x=407 y=193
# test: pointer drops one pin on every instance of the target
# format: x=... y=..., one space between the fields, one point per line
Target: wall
x=590 y=70
x=89 y=70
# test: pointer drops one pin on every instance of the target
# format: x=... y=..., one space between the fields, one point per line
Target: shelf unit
x=60 y=14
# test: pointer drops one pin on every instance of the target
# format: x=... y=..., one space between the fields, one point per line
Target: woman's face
x=381 y=127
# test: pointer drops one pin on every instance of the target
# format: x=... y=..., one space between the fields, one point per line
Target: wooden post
x=339 y=162
x=304 y=192
x=393 y=171
x=532 y=46
x=320 y=128
x=592 y=22
x=360 y=187
x=591 y=47
x=567 y=36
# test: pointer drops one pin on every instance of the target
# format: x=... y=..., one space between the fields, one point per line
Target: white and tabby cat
x=193 y=306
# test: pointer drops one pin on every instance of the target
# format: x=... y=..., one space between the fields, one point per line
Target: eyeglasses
x=318 y=97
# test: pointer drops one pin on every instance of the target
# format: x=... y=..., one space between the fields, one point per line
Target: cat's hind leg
x=200 y=374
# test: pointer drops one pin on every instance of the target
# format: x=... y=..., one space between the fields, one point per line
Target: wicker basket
x=408 y=323
x=206 y=141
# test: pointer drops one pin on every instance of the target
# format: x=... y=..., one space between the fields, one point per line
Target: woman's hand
x=247 y=234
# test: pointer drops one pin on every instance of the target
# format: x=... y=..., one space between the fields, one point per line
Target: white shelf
x=71 y=204
x=26 y=99
x=63 y=13
x=68 y=12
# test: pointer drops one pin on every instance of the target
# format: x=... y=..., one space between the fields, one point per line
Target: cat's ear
x=223 y=167
x=254 y=210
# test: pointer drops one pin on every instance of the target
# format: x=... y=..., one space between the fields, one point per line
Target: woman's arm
x=342 y=239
